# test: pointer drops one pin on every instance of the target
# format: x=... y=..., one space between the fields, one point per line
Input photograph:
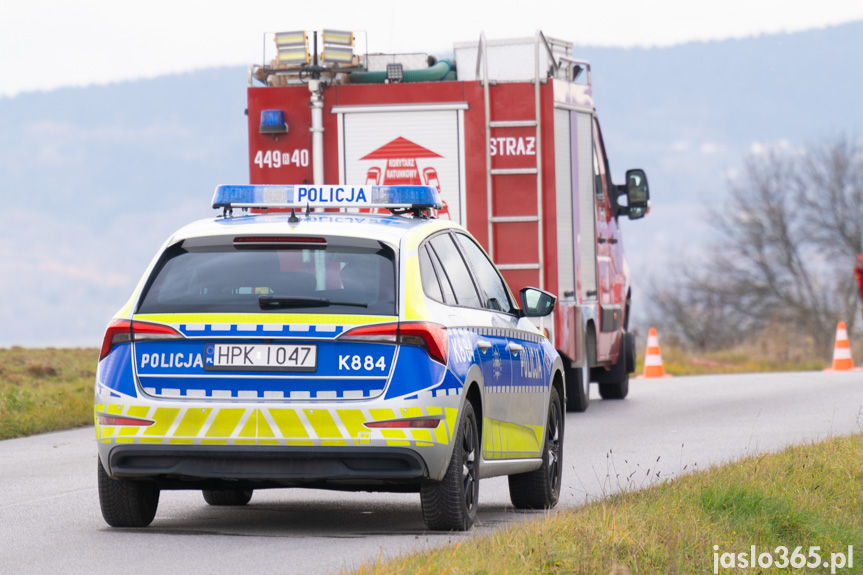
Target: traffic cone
x=653 y=358
x=842 y=360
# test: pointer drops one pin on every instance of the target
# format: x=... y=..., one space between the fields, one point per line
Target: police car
x=340 y=349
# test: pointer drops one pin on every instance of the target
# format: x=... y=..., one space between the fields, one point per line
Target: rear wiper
x=271 y=301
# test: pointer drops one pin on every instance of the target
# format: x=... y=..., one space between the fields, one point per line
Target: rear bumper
x=263 y=466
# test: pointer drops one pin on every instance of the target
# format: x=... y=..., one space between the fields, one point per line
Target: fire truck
x=506 y=130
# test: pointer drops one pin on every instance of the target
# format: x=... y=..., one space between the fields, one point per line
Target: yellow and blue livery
x=335 y=349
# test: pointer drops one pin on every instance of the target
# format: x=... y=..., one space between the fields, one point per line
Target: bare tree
x=788 y=239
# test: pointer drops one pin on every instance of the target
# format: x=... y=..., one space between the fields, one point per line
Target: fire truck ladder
x=482 y=60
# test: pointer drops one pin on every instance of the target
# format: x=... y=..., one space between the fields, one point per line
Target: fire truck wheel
x=630 y=352
x=225 y=497
x=578 y=378
x=540 y=489
x=577 y=391
x=126 y=503
x=451 y=504
x=614 y=383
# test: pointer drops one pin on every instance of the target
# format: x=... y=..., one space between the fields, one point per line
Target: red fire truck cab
x=508 y=133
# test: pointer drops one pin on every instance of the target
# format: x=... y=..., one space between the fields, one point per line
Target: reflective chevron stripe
x=272 y=426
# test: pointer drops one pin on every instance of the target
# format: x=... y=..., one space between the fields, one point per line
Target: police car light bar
x=392 y=197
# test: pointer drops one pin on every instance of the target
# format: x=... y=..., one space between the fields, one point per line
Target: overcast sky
x=45 y=44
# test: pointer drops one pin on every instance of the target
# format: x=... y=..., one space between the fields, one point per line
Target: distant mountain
x=94 y=179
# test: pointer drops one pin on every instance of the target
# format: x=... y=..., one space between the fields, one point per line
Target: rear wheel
x=614 y=383
x=451 y=504
x=225 y=497
x=126 y=503
x=540 y=489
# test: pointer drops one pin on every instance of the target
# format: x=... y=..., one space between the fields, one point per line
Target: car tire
x=451 y=504
x=227 y=497
x=540 y=489
x=126 y=503
x=614 y=383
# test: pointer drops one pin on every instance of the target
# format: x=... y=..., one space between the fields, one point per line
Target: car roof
x=387 y=228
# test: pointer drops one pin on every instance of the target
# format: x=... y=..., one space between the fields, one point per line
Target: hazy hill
x=96 y=178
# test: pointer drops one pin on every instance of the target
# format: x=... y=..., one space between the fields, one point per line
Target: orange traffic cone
x=653 y=358
x=842 y=360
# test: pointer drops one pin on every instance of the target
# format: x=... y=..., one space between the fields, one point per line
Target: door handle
x=612 y=241
x=514 y=348
x=483 y=345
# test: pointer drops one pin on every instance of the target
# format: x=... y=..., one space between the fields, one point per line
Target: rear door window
x=431 y=285
x=456 y=271
x=489 y=280
x=213 y=275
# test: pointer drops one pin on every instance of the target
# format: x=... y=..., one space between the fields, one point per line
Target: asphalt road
x=50 y=520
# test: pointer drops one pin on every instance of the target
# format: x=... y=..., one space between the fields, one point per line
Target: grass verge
x=45 y=389
x=806 y=496
x=678 y=361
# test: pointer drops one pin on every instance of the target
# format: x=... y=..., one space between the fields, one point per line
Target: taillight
x=124 y=331
x=430 y=336
x=119 y=331
x=142 y=331
x=106 y=419
x=419 y=423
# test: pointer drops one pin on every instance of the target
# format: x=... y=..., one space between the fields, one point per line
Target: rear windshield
x=354 y=277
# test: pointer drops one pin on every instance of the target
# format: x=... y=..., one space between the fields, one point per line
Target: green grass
x=804 y=496
x=45 y=389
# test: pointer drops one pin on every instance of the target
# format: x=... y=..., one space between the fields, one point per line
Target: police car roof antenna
x=293 y=219
x=308 y=209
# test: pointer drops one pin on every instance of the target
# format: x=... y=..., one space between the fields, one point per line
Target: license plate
x=260 y=357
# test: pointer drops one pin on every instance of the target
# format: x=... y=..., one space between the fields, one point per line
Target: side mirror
x=536 y=302
x=637 y=194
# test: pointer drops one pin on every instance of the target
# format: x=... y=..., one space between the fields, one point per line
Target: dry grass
x=804 y=496
x=45 y=389
x=679 y=361
x=775 y=349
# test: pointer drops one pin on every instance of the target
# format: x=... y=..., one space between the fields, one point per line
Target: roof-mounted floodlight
x=293 y=48
x=409 y=198
x=395 y=73
x=337 y=54
x=338 y=37
x=338 y=47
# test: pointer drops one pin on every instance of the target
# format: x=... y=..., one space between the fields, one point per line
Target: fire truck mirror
x=536 y=302
x=637 y=194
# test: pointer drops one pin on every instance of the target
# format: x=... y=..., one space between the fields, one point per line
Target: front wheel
x=540 y=489
x=126 y=503
x=578 y=378
x=451 y=504
x=614 y=383
x=577 y=389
